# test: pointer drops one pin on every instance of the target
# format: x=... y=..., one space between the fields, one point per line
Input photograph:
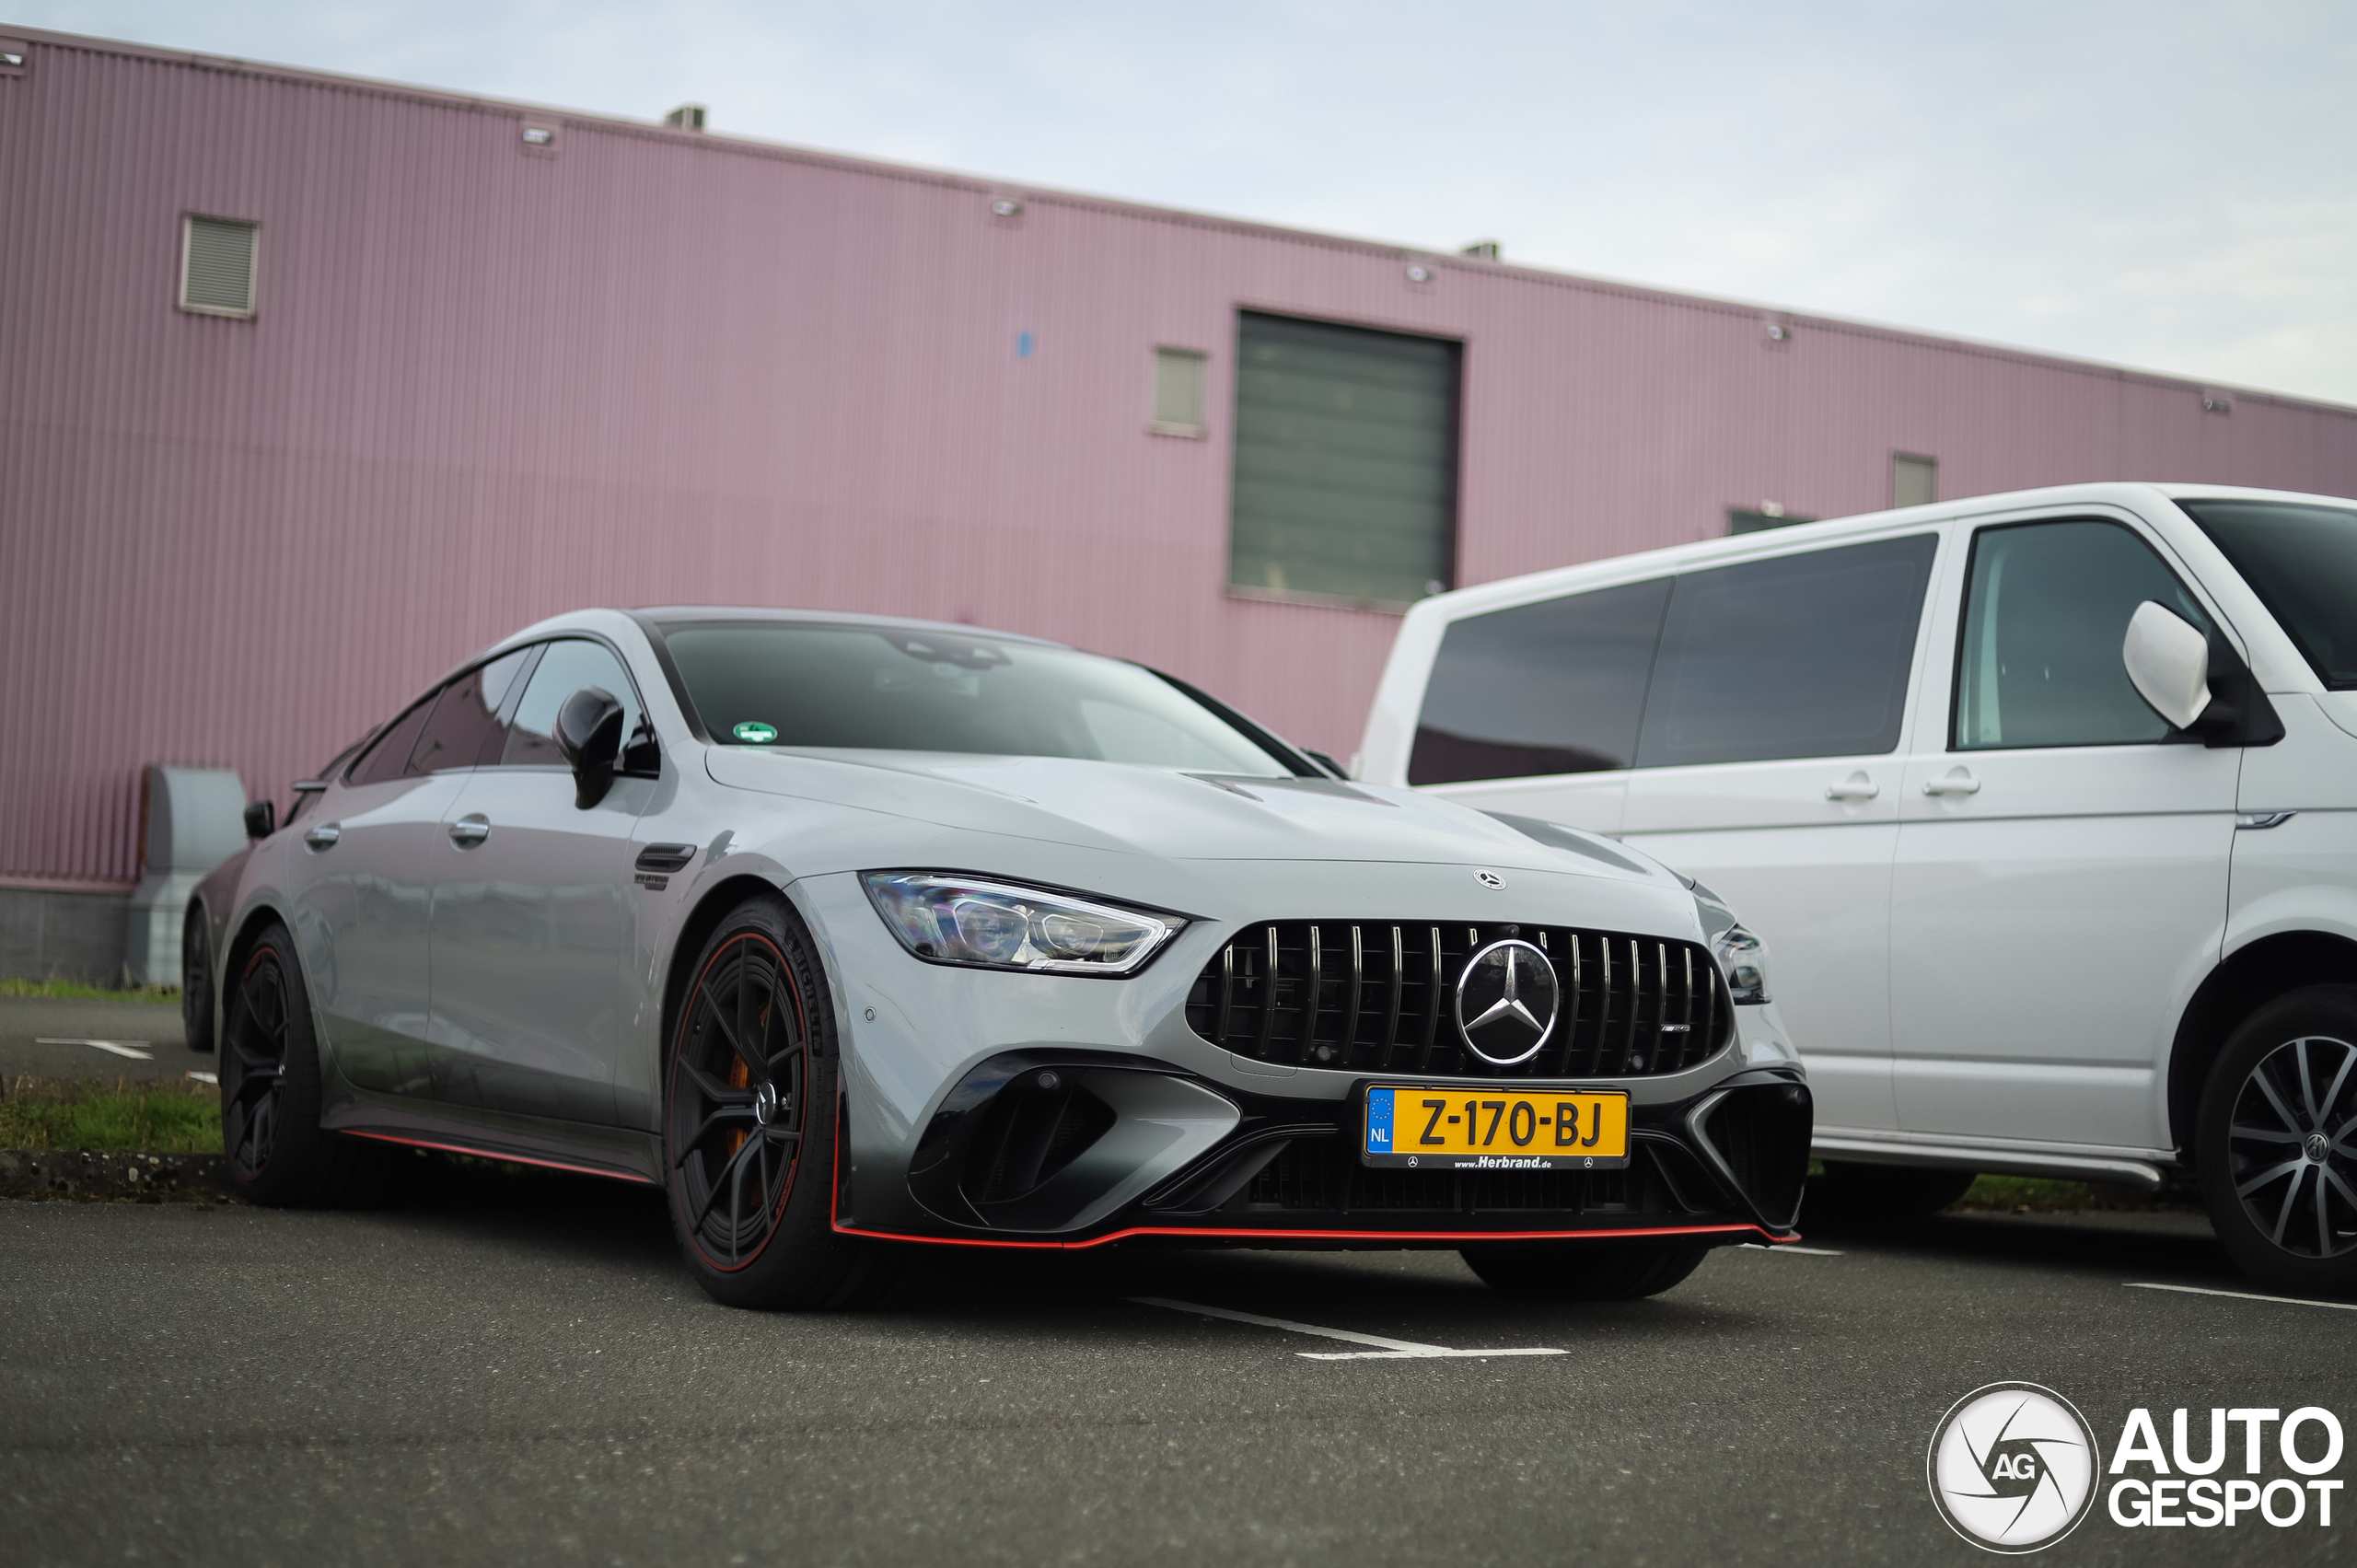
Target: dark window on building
x=1743 y=519
x=2046 y=610
x=2302 y=562
x=217 y=265
x=1801 y=656
x=389 y=758
x=1551 y=688
x=465 y=731
x=1345 y=484
x=1914 y=480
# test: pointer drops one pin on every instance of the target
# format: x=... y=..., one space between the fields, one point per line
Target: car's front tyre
x=749 y=1124
x=1583 y=1270
x=2277 y=1141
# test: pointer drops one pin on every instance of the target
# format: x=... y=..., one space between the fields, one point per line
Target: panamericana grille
x=1375 y=998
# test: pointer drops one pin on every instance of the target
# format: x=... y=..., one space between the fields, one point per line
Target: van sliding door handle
x=1957 y=781
x=1857 y=786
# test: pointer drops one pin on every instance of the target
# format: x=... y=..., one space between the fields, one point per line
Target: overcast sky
x=2159 y=185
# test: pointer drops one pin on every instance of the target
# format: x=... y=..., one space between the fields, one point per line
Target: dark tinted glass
x=389 y=758
x=2302 y=562
x=908 y=691
x=565 y=668
x=1551 y=688
x=465 y=731
x=2038 y=663
x=1803 y=655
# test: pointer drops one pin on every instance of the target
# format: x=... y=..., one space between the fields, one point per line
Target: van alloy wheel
x=2292 y=1146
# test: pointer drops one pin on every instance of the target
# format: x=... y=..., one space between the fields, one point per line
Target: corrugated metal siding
x=483 y=387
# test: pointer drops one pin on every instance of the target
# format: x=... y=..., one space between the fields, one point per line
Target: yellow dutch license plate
x=1461 y=1128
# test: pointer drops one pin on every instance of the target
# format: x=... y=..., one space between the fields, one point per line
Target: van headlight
x=947 y=919
x=1743 y=959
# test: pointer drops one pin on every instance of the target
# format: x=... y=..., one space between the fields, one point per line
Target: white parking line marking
x=1790 y=1246
x=1386 y=1350
x=2247 y=1295
x=130 y=1048
x=205 y=1077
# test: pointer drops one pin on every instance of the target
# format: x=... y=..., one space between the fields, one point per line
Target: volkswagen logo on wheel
x=1505 y=1002
x=2012 y=1468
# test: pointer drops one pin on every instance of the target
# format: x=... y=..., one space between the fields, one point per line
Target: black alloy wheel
x=749 y=1124
x=277 y=1151
x=196 y=982
x=1583 y=1270
x=2279 y=1143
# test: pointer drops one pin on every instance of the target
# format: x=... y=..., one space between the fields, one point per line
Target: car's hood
x=1163 y=812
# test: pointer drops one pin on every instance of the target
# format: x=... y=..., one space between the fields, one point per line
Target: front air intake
x=1380 y=998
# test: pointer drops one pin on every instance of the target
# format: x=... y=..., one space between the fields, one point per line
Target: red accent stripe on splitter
x=1624 y=1235
x=500 y=1154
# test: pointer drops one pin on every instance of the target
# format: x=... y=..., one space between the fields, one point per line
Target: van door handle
x=1857 y=786
x=1957 y=781
x=471 y=830
x=324 y=836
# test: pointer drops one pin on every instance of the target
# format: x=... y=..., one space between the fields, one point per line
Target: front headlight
x=1743 y=959
x=950 y=919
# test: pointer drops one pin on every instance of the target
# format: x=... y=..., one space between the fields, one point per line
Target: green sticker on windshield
x=755 y=733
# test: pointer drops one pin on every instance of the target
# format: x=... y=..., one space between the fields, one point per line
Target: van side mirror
x=590 y=734
x=2169 y=663
x=262 y=819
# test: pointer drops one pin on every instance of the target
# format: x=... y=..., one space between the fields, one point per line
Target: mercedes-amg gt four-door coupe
x=853 y=933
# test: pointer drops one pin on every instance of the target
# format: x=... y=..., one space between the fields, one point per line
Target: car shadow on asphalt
x=2157 y=1244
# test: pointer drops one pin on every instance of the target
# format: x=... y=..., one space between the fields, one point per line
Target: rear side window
x=2302 y=562
x=2047 y=608
x=465 y=731
x=1551 y=688
x=389 y=758
x=565 y=668
x=1799 y=655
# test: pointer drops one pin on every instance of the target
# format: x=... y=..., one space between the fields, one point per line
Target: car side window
x=1797 y=656
x=565 y=668
x=389 y=758
x=2046 y=609
x=1556 y=687
x=464 y=730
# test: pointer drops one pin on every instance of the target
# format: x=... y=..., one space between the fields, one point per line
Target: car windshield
x=909 y=688
x=2302 y=562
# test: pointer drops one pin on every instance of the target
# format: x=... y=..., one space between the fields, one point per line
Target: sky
x=2159 y=185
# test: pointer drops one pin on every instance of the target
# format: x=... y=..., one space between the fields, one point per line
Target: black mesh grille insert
x=1364 y=997
x=1320 y=1174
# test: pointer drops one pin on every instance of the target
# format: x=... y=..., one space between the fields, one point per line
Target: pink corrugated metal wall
x=486 y=385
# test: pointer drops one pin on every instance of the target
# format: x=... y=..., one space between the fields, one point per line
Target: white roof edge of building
x=982 y=185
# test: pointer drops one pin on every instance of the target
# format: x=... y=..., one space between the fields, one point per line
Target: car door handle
x=471 y=830
x=1857 y=786
x=324 y=836
x=1957 y=781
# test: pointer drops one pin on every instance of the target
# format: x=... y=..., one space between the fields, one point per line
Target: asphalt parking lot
x=72 y=1037
x=513 y=1369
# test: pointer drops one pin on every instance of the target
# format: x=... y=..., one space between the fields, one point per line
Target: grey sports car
x=853 y=933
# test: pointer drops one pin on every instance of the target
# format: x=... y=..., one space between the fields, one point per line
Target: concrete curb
x=81 y=1175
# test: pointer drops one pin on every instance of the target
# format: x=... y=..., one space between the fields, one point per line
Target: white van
x=2045 y=804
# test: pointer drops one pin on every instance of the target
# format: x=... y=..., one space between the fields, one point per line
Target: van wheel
x=1881 y=1194
x=2277 y=1142
x=750 y=1100
x=1583 y=1270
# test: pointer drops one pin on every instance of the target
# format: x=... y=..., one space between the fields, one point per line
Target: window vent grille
x=218 y=266
x=1177 y=392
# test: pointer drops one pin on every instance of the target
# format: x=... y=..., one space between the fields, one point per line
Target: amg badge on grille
x=1505 y=1002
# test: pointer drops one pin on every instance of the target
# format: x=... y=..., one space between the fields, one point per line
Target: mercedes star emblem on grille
x=1489 y=879
x=1505 y=1002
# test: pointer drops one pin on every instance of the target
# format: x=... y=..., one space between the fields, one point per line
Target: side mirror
x=2169 y=663
x=589 y=732
x=262 y=819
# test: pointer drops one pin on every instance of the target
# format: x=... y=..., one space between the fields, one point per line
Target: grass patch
x=120 y=1117
x=74 y=991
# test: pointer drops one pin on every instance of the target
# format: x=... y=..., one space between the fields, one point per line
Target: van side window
x=1797 y=656
x=1551 y=688
x=2044 y=613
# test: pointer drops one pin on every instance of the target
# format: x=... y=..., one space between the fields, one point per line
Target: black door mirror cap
x=590 y=734
x=262 y=819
